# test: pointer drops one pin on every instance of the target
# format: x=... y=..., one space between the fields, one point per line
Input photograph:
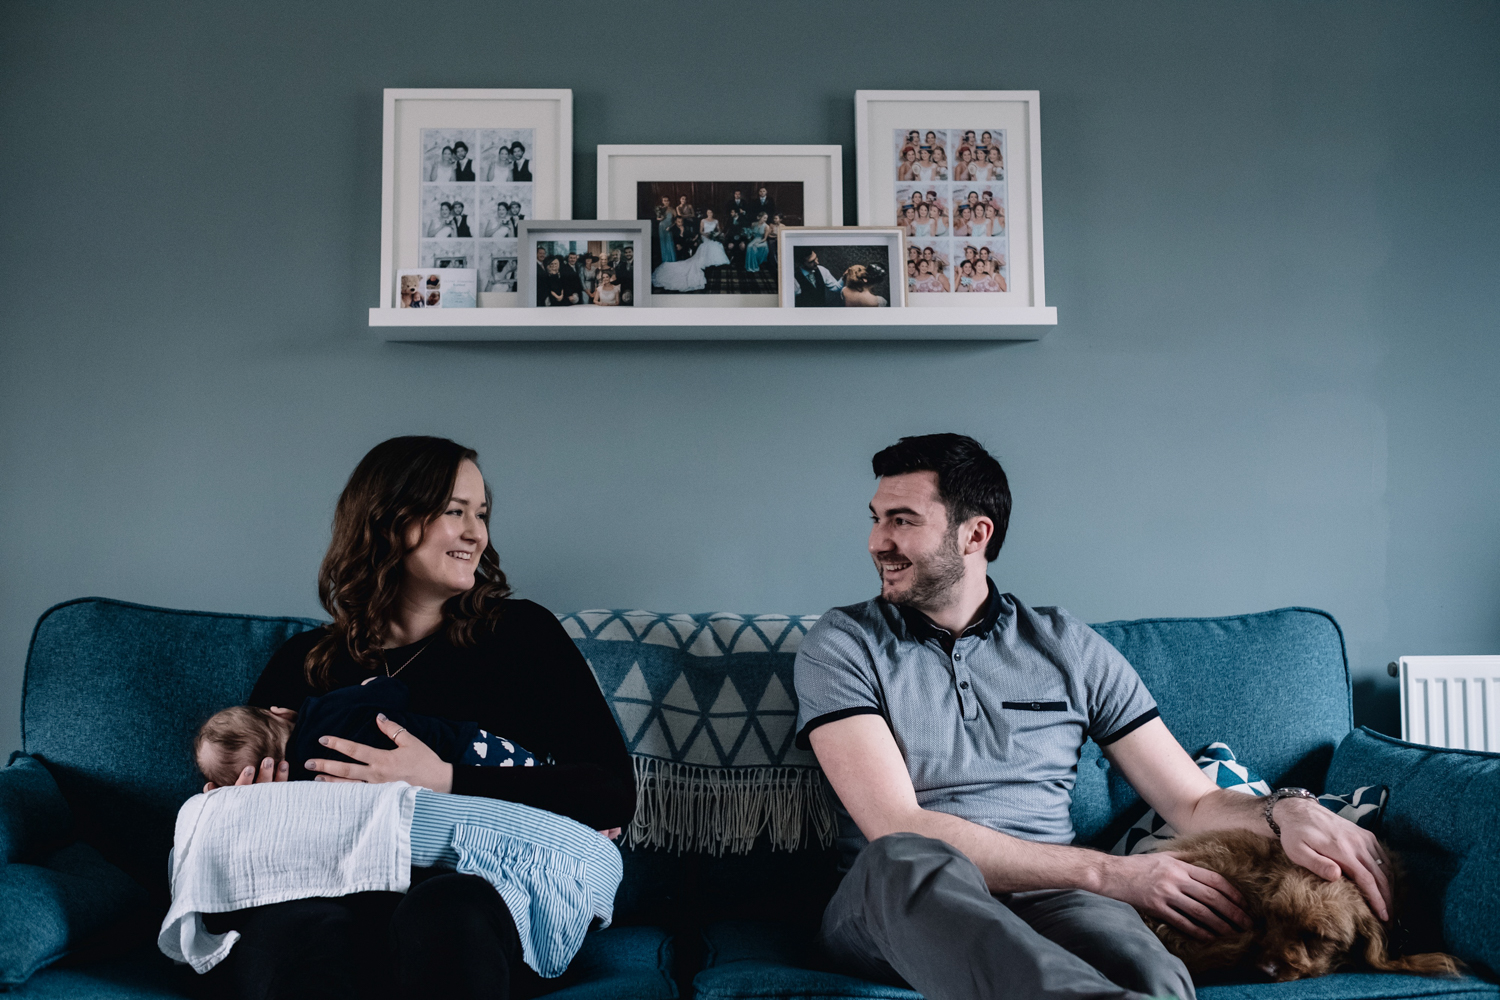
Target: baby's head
x=239 y=737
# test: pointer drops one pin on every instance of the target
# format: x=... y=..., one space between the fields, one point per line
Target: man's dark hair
x=461 y=145
x=969 y=480
x=803 y=255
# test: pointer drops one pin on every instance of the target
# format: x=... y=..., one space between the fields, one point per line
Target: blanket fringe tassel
x=713 y=810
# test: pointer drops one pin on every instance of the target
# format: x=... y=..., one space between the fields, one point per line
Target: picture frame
x=843 y=248
x=438 y=209
x=629 y=237
x=808 y=178
x=992 y=140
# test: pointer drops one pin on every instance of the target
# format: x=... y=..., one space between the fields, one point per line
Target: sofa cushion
x=751 y=958
x=1356 y=986
x=33 y=812
x=1274 y=685
x=51 y=906
x=113 y=694
x=1441 y=817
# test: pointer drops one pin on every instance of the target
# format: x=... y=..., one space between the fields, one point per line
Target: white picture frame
x=892 y=240
x=819 y=169
x=880 y=114
x=547 y=115
x=637 y=233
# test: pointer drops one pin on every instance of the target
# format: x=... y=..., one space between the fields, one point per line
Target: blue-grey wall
x=1271 y=239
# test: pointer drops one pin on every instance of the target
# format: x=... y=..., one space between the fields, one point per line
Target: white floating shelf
x=699 y=323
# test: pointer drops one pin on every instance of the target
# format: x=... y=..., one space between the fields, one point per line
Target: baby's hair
x=245 y=736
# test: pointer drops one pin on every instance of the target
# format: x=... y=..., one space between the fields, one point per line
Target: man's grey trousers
x=916 y=911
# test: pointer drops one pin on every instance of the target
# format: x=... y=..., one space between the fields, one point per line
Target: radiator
x=1450 y=701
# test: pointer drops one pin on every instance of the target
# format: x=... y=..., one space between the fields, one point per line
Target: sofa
x=113 y=692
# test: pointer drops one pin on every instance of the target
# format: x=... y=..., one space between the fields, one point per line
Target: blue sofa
x=113 y=692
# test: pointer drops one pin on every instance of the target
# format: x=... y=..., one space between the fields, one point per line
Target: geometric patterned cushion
x=1363 y=807
x=707 y=707
x=1218 y=762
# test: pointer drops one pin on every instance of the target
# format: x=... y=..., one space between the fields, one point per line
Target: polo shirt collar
x=923 y=628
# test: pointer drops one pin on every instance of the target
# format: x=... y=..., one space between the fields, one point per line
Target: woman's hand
x=412 y=761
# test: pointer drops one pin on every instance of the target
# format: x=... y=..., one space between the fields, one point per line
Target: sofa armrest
x=1443 y=819
x=33 y=812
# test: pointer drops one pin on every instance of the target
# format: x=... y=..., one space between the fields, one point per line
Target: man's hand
x=1181 y=894
x=412 y=761
x=1329 y=846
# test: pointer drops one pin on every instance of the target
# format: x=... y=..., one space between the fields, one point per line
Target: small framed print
x=461 y=170
x=585 y=263
x=842 y=267
x=960 y=173
x=436 y=288
x=715 y=212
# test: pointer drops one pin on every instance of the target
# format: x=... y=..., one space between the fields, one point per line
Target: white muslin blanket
x=260 y=844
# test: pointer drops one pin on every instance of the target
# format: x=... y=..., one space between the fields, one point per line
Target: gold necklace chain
x=392 y=673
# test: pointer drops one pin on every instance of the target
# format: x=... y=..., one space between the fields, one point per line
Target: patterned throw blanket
x=707 y=708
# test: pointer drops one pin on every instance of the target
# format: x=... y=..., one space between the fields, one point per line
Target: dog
x=1301 y=925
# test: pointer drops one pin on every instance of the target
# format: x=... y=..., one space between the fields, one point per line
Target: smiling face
x=443 y=553
x=915 y=550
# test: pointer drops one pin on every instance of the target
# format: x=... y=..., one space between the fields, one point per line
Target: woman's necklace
x=392 y=673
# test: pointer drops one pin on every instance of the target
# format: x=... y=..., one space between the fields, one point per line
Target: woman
x=962 y=225
x=995 y=218
x=966 y=276
x=501 y=225
x=965 y=169
x=606 y=293
x=939 y=219
x=908 y=169
x=441 y=228
x=922 y=225
x=759 y=247
x=685 y=210
x=994 y=166
x=664 y=220
x=415 y=590
x=687 y=275
x=911 y=276
x=989 y=278
x=502 y=167
x=978 y=226
x=926 y=279
x=857 y=281
x=555 y=286
x=709 y=227
x=926 y=170
x=445 y=167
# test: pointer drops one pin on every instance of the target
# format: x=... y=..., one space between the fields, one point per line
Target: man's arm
x=865 y=767
x=1325 y=844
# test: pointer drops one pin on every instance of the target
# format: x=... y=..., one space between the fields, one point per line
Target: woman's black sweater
x=524 y=680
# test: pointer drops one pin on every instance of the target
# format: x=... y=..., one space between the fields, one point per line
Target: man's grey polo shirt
x=991 y=732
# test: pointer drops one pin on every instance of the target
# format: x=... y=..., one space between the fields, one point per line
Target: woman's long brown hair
x=401 y=482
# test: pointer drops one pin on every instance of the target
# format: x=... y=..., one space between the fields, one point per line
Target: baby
x=243 y=735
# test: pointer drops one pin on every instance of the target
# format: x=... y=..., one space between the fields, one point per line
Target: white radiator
x=1450 y=701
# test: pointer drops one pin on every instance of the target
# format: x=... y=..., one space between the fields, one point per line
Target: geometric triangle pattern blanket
x=708 y=709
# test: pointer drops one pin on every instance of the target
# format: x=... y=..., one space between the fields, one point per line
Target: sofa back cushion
x=1274 y=686
x=113 y=695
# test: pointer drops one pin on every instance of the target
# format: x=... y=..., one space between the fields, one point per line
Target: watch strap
x=1277 y=796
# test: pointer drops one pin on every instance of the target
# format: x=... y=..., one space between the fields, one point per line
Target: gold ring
x=398 y=733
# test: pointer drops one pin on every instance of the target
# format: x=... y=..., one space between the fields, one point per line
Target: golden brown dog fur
x=1301 y=925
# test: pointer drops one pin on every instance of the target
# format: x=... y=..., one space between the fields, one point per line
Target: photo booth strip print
x=447 y=253
x=497 y=167
x=935 y=183
x=707 y=707
x=497 y=263
x=439 y=153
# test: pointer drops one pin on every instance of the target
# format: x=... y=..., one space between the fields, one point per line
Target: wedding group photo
x=950 y=192
x=476 y=187
x=717 y=237
x=585 y=271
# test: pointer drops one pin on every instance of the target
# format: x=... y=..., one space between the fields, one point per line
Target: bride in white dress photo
x=687 y=275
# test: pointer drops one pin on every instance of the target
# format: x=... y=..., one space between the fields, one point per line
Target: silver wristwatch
x=1277 y=796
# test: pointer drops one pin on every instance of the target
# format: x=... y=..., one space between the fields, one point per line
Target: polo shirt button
x=1036 y=707
x=964 y=685
x=958 y=656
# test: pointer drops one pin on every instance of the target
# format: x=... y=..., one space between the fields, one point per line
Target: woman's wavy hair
x=401 y=482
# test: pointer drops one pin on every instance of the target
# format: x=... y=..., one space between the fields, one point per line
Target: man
x=522 y=169
x=572 y=281
x=763 y=203
x=464 y=167
x=460 y=221
x=541 y=275
x=816 y=286
x=624 y=276
x=738 y=206
x=949 y=717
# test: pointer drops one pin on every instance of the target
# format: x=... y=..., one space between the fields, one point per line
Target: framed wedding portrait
x=843 y=267
x=714 y=214
x=959 y=173
x=584 y=263
x=460 y=171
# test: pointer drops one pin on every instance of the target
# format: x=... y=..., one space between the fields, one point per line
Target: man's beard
x=934 y=578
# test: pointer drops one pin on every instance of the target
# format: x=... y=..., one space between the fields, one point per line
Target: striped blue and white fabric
x=555 y=874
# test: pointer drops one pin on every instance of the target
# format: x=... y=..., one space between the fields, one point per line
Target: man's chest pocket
x=1035 y=706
